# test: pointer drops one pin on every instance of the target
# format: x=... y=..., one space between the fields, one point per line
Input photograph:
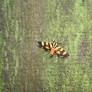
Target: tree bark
x=26 y=68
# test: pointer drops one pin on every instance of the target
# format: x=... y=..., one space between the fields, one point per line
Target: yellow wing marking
x=57 y=48
x=50 y=45
x=42 y=43
x=61 y=49
x=46 y=43
x=58 y=52
x=64 y=53
x=47 y=47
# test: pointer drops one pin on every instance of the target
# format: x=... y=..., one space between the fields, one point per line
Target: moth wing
x=47 y=48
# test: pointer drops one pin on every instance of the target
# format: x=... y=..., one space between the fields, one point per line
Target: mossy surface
x=26 y=68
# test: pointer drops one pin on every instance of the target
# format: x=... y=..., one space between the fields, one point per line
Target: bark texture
x=26 y=68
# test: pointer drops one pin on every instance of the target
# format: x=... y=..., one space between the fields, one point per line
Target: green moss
x=64 y=21
x=68 y=24
x=8 y=44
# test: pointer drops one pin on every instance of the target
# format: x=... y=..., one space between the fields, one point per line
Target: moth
x=53 y=48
